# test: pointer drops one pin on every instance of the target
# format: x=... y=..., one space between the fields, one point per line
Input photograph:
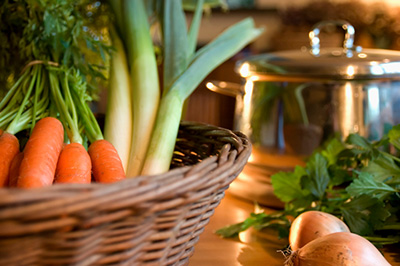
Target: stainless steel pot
x=291 y=101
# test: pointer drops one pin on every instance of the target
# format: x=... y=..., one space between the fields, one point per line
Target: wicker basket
x=153 y=220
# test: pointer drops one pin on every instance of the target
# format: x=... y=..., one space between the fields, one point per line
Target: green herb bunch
x=356 y=180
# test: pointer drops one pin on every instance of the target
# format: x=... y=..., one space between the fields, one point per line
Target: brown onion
x=337 y=249
x=311 y=225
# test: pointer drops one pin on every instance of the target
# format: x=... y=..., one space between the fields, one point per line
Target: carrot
x=9 y=148
x=74 y=165
x=41 y=154
x=106 y=163
x=1 y=132
x=14 y=170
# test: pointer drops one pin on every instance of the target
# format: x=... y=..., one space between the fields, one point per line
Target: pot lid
x=342 y=63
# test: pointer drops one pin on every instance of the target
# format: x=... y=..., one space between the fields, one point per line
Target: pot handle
x=226 y=88
x=348 y=36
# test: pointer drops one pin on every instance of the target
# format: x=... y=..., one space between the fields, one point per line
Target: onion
x=337 y=249
x=311 y=225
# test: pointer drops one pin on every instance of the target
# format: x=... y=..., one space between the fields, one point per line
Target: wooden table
x=252 y=248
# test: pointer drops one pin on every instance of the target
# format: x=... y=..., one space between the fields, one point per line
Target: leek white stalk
x=161 y=148
x=144 y=81
x=118 y=122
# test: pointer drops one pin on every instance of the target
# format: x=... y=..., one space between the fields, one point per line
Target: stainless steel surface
x=348 y=36
x=316 y=63
x=296 y=117
x=331 y=64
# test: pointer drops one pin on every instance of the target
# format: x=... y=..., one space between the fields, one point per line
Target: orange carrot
x=74 y=165
x=1 y=132
x=9 y=148
x=41 y=154
x=106 y=164
x=14 y=170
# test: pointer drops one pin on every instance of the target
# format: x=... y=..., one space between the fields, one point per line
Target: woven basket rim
x=143 y=178
x=159 y=184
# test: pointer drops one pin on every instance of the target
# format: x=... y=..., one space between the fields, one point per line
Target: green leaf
x=365 y=184
x=191 y=4
x=359 y=141
x=394 y=136
x=194 y=29
x=365 y=149
x=175 y=42
x=258 y=221
x=384 y=169
x=234 y=229
x=318 y=178
x=287 y=185
x=364 y=214
x=231 y=230
x=213 y=54
x=339 y=176
x=332 y=150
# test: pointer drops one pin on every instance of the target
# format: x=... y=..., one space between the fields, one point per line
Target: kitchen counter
x=251 y=248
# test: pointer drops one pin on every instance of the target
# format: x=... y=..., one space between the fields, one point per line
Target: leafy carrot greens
x=356 y=180
x=48 y=55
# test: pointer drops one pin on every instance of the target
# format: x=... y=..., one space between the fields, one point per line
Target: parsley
x=356 y=180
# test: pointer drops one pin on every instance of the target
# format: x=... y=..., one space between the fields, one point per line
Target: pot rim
x=338 y=63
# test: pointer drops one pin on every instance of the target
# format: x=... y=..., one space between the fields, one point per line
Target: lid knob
x=348 y=37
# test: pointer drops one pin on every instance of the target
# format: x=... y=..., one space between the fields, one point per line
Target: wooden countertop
x=251 y=248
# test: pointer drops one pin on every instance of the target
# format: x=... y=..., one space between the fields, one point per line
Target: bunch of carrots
x=49 y=132
x=65 y=143
x=46 y=159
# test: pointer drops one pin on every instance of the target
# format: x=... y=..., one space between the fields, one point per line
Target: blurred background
x=286 y=24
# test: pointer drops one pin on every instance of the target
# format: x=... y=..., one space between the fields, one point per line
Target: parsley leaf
x=332 y=150
x=394 y=136
x=259 y=221
x=384 y=169
x=364 y=214
x=318 y=178
x=287 y=185
x=366 y=184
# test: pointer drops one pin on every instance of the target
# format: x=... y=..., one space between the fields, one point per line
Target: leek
x=117 y=127
x=204 y=61
x=155 y=121
x=144 y=77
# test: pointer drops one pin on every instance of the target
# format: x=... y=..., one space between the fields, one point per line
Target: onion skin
x=338 y=249
x=311 y=225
